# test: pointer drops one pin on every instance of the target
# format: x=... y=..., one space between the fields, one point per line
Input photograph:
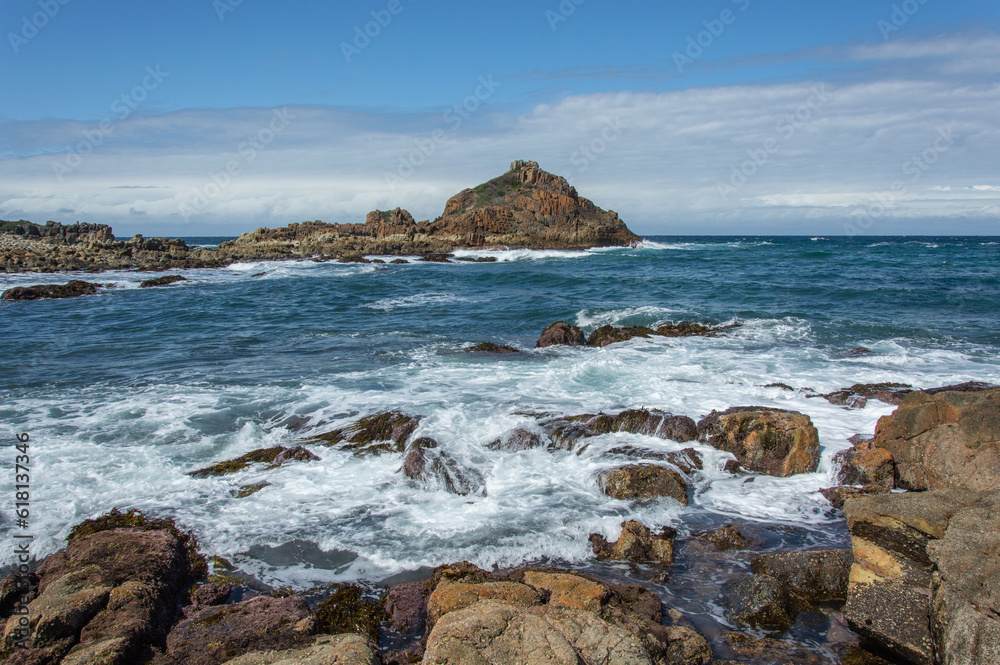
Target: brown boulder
x=770 y=441
x=643 y=481
x=166 y=280
x=517 y=440
x=817 y=576
x=864 y=464
x=274 y=457
x=606 y=335
x=565 y=432
x=636 y=543
x=948 y=439
x=345 y=649
x=47 y=291
x=837 y=496
x=451 y=596
x=728 y=537
x=372 y=435
x=858 y=395
x=560 y=333
x=490 y=347
x=761 y=601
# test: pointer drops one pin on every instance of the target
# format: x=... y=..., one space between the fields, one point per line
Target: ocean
x=123 y=393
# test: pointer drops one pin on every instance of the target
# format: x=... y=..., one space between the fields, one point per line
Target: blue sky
x=197 y=117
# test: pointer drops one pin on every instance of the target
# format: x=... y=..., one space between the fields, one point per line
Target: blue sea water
x=125 y=392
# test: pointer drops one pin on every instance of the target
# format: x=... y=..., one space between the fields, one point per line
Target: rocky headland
x=526 y=207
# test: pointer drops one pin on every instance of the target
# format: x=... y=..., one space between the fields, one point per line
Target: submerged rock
x=643 y=481
x=761 y=601
x=944 y=439
x=490 y=347
x=560 y=333
x=858 y=395
x=275 y=457
x=72 y=289
x=347 y=610
x=166 y=280
x=372 y=435
x=636 y=543
x=517 y=440
x=426 y=462
x=770 y=441
x=606 y=335
x=565 y=432
x=816 y=576
x=689 y=329
x=728 y=537
x=437 y=257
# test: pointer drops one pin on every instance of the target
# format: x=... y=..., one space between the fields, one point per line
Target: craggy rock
x=636 y=543
x=817 y=576
x=606 y=335
x=517 y=440
x=166 y=280
x=426 y=462
x=761 y=601
x=864 y=464
x=643 y=481
x=218 y=634
x=728 y=537
x=750 y=649
x=859 y=351
x=838 y=495
x=490 y=347
x=770 y=441
x=249 y=490
x=406 y=607
x=345 y=649
x=47 y=291
x=109 y=596
x=453 y=596
x=572 y=591
x=352 y=258
x=925 y=584
x=688 y=329
x=275 y=457
x=565 y=432
x=437 y=257
x=858 y=395
x=16 y=588
x=208 y=595
x=560 y=333
x=948 y=439
x=687 y=460
x=372 y=435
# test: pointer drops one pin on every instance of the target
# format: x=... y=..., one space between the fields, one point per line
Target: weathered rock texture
x=372 y=435
x=345 y=649
x=73 y=289
x=945 y=439
x=636 y=543
x=643 y=481
x=770 y=441
x=925 y=583
x=565 y=432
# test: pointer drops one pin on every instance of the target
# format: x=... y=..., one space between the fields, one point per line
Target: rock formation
x=771 y=441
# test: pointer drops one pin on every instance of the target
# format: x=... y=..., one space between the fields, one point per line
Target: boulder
x=864 y=464
x=348 y=610
x=636 y=543
x=565 y=432
x=945 y=439
x=110 y=595
x=274 y=457
x=426 y=462
x=451 y=596
x=490 y=347
x=728 y=537
x=761 y=601
x=838 y=495
x=372 y=435
x=687 y=460
x=816 y=576
x=166 y=280
x=560 y=333
x=346 y=649
x=643 y=481
x=48 y=291
x=925 y=583
x=770 y=441
x=216 y=635
x=689 y=329
x=516 y=440
x=606 y=335
x=858 y=395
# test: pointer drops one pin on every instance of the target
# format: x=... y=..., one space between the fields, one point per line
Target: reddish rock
x=771 y=441
x=636 y=543
x=561 y=334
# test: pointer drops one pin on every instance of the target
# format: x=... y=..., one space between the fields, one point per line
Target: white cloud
x=661 y=170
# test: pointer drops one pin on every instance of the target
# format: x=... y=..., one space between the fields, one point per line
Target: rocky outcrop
x=516 y=440
x=109 y=596
x=838 y=496
x=687 y=460
x=865 y=464
x=73 y=289
x=427 y=463
x=490 y=347
x=643 y=481
x=346 y=649
x=857 y=396
x=944 y=439
x=606 y=335
x=561 y=334
x=274 y=457
x=817 y=576
x=372 y=435
x=761 y=601
x=166 y=280
x=770 y=441
x=555 y=616
x=925 y=583
x=565 y=432
x=636 y=543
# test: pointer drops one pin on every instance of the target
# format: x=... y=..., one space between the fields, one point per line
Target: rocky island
x=526 y=207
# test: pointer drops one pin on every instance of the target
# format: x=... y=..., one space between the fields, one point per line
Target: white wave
x=644 y=315
x=818 y=238
x=509 y=255
x=879 y=244
x=415 y=300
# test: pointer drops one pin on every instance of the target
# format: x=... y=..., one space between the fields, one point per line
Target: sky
x=216 y=117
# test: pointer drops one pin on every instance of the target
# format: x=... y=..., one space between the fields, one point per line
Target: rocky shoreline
x=526 y=207
x=920 y=583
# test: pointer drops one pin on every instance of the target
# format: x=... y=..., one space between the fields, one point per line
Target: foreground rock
x=643 y=481
x=817 y=576
x=372 y=435
x=73 y=289
x=565 y=432
x=944 y=439
x=554 y=616
x=636 y=543
x=866 y=465
x=858 y=395
x=925 y=583
x=761 y=601
x=346 y=649
x=109 y=596
x=770 y=441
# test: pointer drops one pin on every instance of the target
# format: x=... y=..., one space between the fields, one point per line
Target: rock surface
x=565 y=432
x=636 y=543
x=770 y=441
x=346 y=649
x=166 y=280
x=643 y=481
x=274 y=457
x=944 y=439
x=426 y=462
x=816 y=576
x=372 y=435
x=561 y=333
x=761 y=601
x=864 y=464
x=72 y=289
